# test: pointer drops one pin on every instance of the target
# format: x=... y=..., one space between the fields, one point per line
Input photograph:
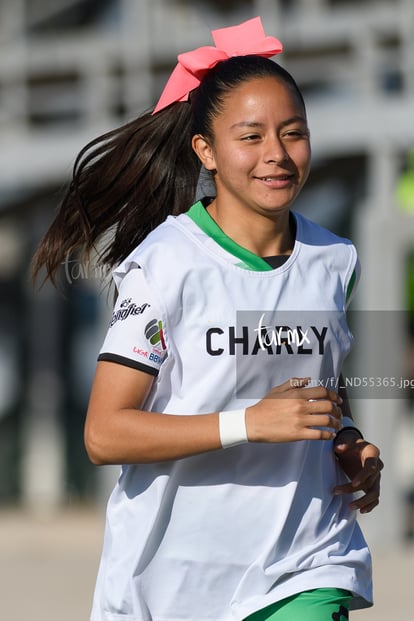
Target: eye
x=250 y=137
x=296 y=133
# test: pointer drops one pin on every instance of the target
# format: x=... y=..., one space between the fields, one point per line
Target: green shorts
x=316 y=605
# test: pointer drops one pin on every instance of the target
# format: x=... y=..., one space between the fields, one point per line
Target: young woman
x=218 y=386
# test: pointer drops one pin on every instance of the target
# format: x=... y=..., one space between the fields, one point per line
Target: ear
x=204 y=151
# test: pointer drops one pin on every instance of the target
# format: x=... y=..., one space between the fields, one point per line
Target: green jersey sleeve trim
x=350 y=287
x=199 y=214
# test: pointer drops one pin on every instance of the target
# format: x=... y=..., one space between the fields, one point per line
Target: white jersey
x=223 y=534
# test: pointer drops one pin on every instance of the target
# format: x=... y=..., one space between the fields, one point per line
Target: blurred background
x=71 y=70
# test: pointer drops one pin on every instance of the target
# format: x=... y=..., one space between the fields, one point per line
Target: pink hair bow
x=242 y=40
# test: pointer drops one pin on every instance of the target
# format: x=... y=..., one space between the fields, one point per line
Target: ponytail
x=124 y=184
x=128 y=181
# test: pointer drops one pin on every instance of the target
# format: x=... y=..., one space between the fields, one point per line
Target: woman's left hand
x=361 y=463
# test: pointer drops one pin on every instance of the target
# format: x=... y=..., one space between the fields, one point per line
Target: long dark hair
x=126 y=182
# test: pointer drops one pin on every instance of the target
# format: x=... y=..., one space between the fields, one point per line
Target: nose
x=275 y=151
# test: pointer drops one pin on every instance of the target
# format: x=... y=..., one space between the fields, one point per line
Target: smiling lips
x=279 y=181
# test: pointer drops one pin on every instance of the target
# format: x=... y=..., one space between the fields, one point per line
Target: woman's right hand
x=293 y=411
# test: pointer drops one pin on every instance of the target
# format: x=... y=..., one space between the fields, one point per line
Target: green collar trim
x=199 y=214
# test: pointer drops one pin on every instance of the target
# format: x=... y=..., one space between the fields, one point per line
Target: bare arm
x=119 y=431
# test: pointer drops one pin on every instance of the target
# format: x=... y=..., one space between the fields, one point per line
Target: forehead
x=262 y=96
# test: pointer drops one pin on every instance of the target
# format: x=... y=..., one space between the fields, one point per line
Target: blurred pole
x=365 y=51
x=43 y=445
x=406 y=15
x=12 y=19
x=383 y=238
x=312 y=7
x=271 y=13
x=15 y=100
x=135 y=52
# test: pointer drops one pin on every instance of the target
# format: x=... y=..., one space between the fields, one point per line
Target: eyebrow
x=252 y=124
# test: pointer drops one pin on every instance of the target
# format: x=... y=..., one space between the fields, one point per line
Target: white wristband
x=232 y=428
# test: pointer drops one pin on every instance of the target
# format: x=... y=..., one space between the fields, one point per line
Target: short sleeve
x=135 y=336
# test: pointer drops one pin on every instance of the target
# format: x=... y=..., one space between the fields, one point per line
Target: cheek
x=302 y=160
x=243 y=159
x=232 y=161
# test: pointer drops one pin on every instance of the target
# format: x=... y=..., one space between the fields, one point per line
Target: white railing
x=84 y=75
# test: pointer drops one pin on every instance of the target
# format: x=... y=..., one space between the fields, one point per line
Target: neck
x=263 y=234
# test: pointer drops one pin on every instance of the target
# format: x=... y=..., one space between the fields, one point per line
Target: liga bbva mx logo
x=154 y=334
